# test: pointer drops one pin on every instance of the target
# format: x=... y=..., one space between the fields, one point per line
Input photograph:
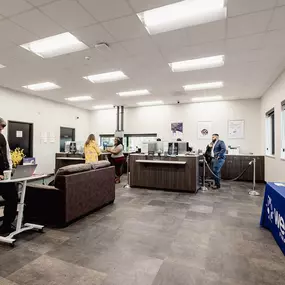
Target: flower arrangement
x=17 y=156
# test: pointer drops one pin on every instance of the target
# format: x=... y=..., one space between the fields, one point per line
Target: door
x=21 y=135
x=66 y=134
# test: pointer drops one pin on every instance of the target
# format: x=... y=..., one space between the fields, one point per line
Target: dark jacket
x=220 y=150
x=4 y=163
x=207 y=154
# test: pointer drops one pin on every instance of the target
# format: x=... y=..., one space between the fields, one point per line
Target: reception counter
x=179 y=173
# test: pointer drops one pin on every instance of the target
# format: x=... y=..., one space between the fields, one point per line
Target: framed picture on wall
x=236 y=129
x=204 y=130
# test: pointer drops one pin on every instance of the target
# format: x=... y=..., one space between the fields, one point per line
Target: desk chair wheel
x=41 y=231
x=12 y=244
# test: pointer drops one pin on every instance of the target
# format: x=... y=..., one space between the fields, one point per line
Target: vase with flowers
x=17 y=156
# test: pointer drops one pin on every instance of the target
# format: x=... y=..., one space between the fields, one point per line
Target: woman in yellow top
x=91 y=150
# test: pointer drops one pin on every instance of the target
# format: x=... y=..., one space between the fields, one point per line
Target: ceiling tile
x=140 y=46
x=239 y=7
x=206 y=33
x=39 y=2
x=129 y=27
x=275 y=39
x=14 y=33
x=248 y=24
x=281 y=2
x=198 y=51
x=143 y=5
x=9 y=8
x=17 y=56
x=94 y=34
x=171 y=39
x=45 y=26
x=69 y=14
x=247 y=42
x=278 y=19
x=102 y=11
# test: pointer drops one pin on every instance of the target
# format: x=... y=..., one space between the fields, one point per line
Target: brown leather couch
x=78 y=190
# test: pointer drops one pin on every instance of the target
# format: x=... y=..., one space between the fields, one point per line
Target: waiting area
x=142 y=142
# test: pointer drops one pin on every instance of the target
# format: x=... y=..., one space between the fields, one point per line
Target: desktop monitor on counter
x=173 y=148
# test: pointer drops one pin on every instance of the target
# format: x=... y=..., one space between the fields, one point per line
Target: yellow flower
x=17 y=156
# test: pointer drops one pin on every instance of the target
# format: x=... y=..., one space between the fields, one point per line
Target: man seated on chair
x=7 y=190
x=218 y=154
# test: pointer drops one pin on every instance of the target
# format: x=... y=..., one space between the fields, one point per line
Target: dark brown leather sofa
x=78 y=190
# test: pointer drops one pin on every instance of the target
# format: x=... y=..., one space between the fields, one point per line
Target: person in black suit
x=7 y=190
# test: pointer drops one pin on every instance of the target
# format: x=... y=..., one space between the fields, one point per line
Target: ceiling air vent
x=102 y=47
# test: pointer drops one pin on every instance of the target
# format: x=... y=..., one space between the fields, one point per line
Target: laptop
x=23 y=171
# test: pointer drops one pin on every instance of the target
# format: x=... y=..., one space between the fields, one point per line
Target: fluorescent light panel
x=56 y=45
x=2 y=66
x=204 y=86
x=134 y=93
x=197 y=64
x=42 y=86
x=183 y=14
x=79 y=99
x=209 y=98
x=101 y=107
x=150 y=103
x=107 y=77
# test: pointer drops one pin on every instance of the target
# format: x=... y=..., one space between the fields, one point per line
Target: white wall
x=157 y=119
x=47 y=116
x=274 y=166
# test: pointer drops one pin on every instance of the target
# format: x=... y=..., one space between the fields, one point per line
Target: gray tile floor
x=154 y=238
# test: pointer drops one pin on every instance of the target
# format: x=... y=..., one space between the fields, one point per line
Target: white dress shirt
x=212 y=152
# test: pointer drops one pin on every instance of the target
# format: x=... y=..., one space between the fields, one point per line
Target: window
x=283 y=130
x=131 y=141
x=66 y=135
x=270 y=133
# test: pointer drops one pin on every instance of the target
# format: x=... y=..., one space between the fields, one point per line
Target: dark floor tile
x=15 y=259
x=46 y=270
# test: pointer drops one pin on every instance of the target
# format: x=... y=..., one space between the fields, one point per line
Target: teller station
x=183 y=170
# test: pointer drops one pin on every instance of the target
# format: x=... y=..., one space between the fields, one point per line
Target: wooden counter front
x=166 y=173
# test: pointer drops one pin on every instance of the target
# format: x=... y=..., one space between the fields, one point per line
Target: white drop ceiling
x=252 y=40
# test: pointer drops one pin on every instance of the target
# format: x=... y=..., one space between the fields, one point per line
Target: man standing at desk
x=7 y=190
x=218 y=155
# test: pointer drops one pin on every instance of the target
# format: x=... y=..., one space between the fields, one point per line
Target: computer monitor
x=173 y=148
x=72 y=147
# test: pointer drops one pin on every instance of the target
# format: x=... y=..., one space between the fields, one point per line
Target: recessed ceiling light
x=150 y=103
x=204 y=86
x=203 y=99
x=2 y=66
x=56 y=45
x=42 y=86
x=107 y=77
x=102 y=107
x=134 y=93
x=198 y=63
x=183 y=14
x=79 y=98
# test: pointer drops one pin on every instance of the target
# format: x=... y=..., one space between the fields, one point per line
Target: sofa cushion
x=71 y=169
x=100 y=164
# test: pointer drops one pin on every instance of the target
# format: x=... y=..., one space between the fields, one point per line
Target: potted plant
x=17 y=156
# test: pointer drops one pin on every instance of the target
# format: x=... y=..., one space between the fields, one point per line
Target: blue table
x=273 y=212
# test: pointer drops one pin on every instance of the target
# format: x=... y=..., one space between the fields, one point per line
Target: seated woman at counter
x=91 y=150
x=117 y=157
